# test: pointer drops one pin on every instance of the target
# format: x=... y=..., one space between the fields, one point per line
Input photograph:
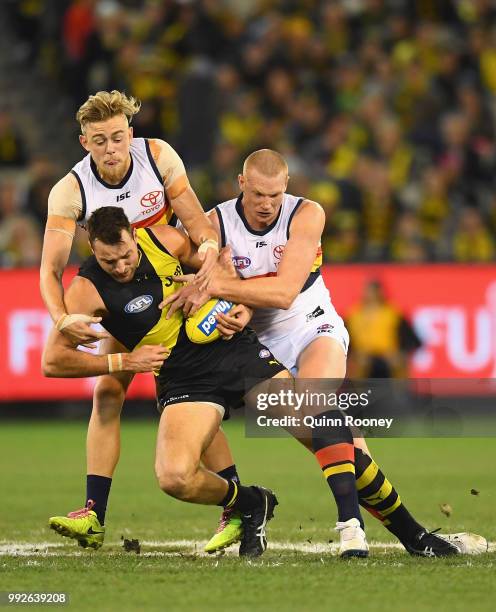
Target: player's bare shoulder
x=309 y=214
x=169 y=165
x=82 y=297
x=67 y=183
x=311 y=207
x=162 y=152
x=171 y=238
x=156 y=147
x=65 y=199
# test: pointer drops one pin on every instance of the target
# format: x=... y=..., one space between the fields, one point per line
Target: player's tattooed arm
x=295 y=266
x=186 y=205
x=62 y=359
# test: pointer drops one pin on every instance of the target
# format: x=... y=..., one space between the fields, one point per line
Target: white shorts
x=312 y=316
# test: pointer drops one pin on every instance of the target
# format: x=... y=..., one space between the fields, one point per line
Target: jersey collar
x=241 y=213
x=108 y=185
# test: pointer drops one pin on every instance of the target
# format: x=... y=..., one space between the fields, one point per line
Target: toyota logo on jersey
x=152 y=198
x=278 y=251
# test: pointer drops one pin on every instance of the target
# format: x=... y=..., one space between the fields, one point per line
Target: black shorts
x=220 y=372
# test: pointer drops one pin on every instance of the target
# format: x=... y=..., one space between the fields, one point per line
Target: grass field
x=42 y=474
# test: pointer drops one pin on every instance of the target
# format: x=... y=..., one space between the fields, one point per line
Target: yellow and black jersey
x=134 y=317
x=213 y=372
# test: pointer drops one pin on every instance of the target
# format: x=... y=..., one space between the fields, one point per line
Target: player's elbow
x=287 y=297
x=50 y=367
x=285 y=302
x=48 y=371
x=50 y=269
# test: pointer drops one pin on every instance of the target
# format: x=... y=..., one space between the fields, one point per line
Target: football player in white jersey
x=275 y=242
x=147 y=179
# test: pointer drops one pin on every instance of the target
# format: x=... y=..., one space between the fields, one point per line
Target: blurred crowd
x=384 y=109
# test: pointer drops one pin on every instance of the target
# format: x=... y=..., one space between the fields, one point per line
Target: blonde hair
x=266 y=161
x=106 y=104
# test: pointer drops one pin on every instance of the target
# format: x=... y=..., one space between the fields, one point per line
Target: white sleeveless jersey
x=140 y=193
x=257 y=253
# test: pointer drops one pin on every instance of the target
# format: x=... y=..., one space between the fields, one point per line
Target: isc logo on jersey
x=138 y=304
x=202 y=326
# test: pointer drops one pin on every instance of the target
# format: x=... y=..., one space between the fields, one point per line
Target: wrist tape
x=114 y=362
x=68 y=319
x=208 y=244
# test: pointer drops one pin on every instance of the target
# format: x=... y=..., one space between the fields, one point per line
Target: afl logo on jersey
x=278 y=251
x=152 y=198
x=240 y=262
x=139 y=304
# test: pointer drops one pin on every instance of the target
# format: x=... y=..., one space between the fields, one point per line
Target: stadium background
x=385 y=110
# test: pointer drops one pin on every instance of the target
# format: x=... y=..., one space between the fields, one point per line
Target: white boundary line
x=59 y=549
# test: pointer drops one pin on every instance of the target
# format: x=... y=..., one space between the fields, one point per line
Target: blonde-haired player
x=147 y=179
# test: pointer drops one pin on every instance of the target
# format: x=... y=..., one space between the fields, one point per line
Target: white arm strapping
x=68 y=319
x=111 y=367
x=208 y=244
x=62 y=231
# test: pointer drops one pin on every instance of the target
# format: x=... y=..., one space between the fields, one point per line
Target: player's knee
x=175 y=480
x=108 y=397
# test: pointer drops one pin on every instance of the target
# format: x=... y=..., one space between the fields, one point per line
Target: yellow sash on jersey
x=166 y=331
x=317 y=263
